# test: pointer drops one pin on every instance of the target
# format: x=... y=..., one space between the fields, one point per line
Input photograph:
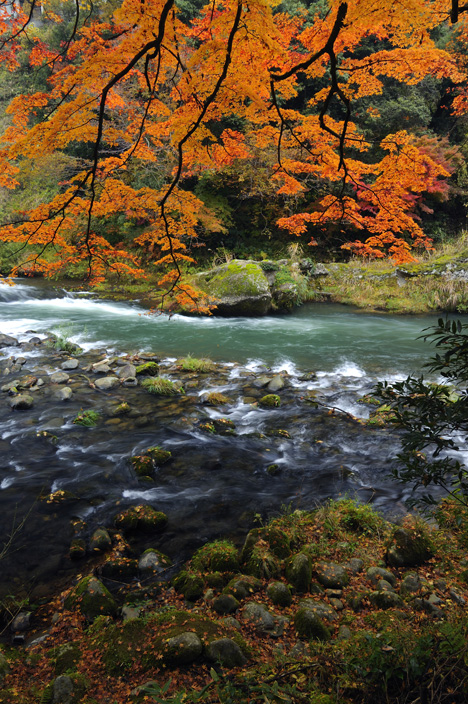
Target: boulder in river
x=240 y=287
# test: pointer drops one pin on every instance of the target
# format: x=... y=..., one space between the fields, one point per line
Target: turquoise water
x=317 y=336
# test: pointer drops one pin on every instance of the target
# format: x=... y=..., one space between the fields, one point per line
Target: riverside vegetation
x=333 y=605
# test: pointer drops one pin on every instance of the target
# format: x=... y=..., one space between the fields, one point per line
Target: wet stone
x=7 y=341
x=63 y=394
x=59 y=377
x=23 y=402
x=107 y=382
x=69 y=364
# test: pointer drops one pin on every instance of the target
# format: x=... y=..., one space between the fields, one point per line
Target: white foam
x=5 y=483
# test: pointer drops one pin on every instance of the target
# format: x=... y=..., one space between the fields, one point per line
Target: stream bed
x=215 y=484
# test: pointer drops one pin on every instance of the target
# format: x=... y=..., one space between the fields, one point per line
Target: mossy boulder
x=100 y=540
x=65 y=657
x=270 y=401
x=92 y=599
x=146 y=642
x=240 y=287
x=410 y=547
x=182 y=649
x=226 y=652
x=153 y=561
x=299 y=572
x=262 y=563
x=331 y=575
x=280 y=594
x=143 y=465
x=141 y=518
x=119 y=569
x=277 y=540
x=309 y=625
x=147 y=369
x=218 y=556
x=225 y=604
x=385 y=600
x=243 y=586
x=159 y=455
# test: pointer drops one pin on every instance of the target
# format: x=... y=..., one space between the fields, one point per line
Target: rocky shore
x=336 y=605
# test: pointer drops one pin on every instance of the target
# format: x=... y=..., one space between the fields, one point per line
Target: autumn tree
x=150 y=87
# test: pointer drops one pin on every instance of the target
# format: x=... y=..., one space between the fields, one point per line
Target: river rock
x=10 y=386
x=331 y=575
x=101 y=368
x=240 y=287
x=59 y=377
x=100 y=540
x=276 y=384
x=263 y=620
x=182 y=649
x=410 y=548
x=8 y=341
x=21 y=622
x=63 y=690
x=22 y=402
x=69 y=364
x=226 y=652
x=126 y=372
x=92 y=598
x=63 y=394
x=106 y=383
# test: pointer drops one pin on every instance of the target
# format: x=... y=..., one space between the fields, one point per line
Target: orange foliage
x=139 y=85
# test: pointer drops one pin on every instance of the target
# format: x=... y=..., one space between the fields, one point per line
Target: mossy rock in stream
x=141 y=518
x=270 y=401
x=240 y=287
x=147 y=369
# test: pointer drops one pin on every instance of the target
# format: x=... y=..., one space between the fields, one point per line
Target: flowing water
x=215 y=484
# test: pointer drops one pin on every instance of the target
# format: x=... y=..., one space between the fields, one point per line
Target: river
x=215 y=485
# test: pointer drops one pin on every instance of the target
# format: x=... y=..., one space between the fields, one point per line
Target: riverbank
x=324 y=607
x=438 y=282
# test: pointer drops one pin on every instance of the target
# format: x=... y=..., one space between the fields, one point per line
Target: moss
x=219 y=556
x=309 y=625
x=142 y=465
x=270 y=401
x=237 y=278
x=139 y=641
x=159 y=455
x=65 y=657
x=141 y=518
x=92 y=598
x=147 y=369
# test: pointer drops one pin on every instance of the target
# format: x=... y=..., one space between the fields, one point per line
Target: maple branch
x=195 y=125
x=22 y=29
